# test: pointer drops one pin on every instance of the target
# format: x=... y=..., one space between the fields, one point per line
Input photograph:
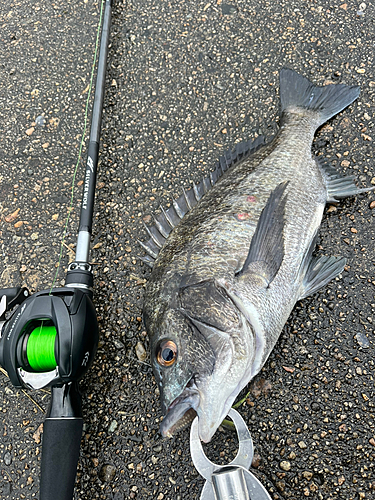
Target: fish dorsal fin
x=338 y=185
x=168 y=219
x=266 y=251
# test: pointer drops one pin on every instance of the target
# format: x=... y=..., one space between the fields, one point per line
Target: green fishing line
x=81 y=144
x=40 y=348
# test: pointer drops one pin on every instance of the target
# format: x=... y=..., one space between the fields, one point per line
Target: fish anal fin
x=266 y=251
x=338 y=185
x=321 y=271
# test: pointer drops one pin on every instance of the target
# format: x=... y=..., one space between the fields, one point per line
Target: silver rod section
x=83 y=247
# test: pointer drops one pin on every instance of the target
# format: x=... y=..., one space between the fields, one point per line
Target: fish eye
x=166 y=353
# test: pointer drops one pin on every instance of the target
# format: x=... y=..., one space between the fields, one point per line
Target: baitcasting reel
x=51 y=338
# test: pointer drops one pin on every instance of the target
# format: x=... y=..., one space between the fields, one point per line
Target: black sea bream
x=226 y=277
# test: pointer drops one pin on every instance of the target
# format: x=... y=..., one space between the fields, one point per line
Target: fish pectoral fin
x=338 y=185
x=266 y=251
x=321 y=271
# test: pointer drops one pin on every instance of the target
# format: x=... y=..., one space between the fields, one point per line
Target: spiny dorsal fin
x=168 y=219
x=266 y=251
x=338 y=185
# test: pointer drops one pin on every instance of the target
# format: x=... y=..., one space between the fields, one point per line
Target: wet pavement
x=185 y=82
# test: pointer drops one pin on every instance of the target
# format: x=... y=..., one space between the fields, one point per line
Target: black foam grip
x=60 y=452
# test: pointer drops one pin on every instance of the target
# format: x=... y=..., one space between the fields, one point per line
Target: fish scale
x=238 y=258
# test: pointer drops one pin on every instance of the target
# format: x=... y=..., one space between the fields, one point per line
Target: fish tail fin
x=297 y=91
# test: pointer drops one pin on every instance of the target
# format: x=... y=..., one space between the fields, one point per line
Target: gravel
x=185 y=82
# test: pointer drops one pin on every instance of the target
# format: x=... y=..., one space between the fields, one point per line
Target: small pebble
x=40 y=121
x=372 y=204
x=119 y=345
x=307 y=475
x=285 y=465
x=113 y=426
x=7 y=458
x=107 y=473
x=362 y=340
x=256 y=461
x=140 y=351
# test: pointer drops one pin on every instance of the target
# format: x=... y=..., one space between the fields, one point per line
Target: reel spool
x=36 y=349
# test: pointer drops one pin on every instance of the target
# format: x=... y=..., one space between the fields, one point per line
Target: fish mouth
x=182 y=411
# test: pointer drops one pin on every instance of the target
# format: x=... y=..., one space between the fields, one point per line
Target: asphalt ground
x=185 y=82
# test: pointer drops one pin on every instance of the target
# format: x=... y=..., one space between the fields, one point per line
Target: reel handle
x=10 y=297
x=11 y=293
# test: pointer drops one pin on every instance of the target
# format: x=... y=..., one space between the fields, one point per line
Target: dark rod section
x=92 y=157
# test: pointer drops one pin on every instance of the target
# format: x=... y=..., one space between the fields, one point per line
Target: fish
x=232 y=255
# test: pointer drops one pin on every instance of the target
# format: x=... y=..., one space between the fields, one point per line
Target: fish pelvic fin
x=338 y=185
x=266 y=251
x=318 y=271
x=296 y=91
x=168 y=219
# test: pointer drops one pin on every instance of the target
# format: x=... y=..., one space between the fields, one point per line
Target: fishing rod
x=51 y=338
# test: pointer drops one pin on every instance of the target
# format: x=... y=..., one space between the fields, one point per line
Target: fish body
x=228 y=275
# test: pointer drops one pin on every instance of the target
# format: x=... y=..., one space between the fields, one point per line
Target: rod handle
x=60 y=453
